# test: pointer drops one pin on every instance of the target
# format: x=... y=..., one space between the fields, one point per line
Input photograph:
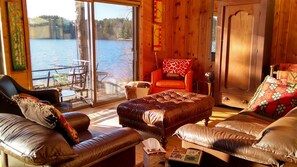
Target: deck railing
x=60 y=76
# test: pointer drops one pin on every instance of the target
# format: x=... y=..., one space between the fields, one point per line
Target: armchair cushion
x=177 y=66
x=172 y=76
x=171 y=84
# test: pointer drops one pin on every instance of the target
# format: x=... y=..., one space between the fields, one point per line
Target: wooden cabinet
x=244 y=35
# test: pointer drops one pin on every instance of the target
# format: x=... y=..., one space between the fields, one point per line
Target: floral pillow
x=46 y=115
x=36 y=111
x=287 y=76
x=274 y=98
x=177 y=66
x=65 y=128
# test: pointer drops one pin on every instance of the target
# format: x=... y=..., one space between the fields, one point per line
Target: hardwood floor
x=106 y=118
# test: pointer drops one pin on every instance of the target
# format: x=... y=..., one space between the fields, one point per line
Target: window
x=213 y=37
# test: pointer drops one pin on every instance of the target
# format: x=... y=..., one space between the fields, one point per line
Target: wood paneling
x=186 y=33
x=186 y=30
x=23 y=77
x=284 y=48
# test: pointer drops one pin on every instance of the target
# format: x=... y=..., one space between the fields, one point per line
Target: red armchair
x=160 y=80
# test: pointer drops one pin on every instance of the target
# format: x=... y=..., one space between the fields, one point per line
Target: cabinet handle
x=226 y=98
x=244 y=102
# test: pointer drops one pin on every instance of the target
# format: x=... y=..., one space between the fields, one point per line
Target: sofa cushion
x=32 y=143
x=35 y=111
x=178 y=66
x=274 y=98
x=280 y=137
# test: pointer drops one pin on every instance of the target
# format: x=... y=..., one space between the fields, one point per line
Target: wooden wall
x=186 y=30
x=23 y=77
x=284 y=43
x=185 y=34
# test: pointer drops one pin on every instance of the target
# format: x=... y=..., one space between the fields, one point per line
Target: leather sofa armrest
x=32 y=143
x=211 y=137
x=51 y=95
x=8 y=105
x=79 y=121
x=189 y=81
x=104 y=146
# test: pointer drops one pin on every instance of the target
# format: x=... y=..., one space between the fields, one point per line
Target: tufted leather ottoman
x=164 y=112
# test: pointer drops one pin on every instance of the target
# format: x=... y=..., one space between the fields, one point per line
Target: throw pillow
x=178 y=66
x=36 y=111
x=25 y=95
x=48 y=116
x=274 y=98
x=65 y=128
x=287 y=76
x=280 y=138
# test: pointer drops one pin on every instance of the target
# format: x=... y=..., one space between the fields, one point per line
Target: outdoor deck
x=76 y=81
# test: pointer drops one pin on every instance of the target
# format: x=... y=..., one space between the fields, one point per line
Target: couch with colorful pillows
x=36 y=133
x=264 y=134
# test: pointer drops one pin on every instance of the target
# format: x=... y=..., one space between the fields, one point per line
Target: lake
x=112 y=56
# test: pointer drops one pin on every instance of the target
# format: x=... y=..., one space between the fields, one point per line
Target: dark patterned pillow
x=274 y=98
x=36 y=111
x=287 y=76
x=65 y=128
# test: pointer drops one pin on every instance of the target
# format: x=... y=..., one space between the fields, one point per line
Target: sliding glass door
x=114 y=49
x=84 y=47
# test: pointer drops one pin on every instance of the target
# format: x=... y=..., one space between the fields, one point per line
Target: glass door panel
x=59 y=46
x=114 y=50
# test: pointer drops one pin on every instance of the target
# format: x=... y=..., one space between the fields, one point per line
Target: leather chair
x=161 y=82
x=9 y=87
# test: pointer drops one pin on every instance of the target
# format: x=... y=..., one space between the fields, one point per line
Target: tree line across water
x=106 y=29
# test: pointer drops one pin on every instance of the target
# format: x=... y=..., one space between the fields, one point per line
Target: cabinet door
x=239 y=57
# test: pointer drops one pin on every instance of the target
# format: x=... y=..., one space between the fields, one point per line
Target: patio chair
x=78 y=76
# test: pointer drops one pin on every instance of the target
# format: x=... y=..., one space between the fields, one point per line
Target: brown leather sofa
x=33 y=144
x=246 y=139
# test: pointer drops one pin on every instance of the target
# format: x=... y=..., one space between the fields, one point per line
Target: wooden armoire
x=244 y=35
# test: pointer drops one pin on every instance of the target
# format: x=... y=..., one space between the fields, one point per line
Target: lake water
x=112 y=56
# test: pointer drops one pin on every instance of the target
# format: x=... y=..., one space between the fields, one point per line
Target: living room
x=186 y=31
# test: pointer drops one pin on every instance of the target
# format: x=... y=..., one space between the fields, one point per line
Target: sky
x=66 y=9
